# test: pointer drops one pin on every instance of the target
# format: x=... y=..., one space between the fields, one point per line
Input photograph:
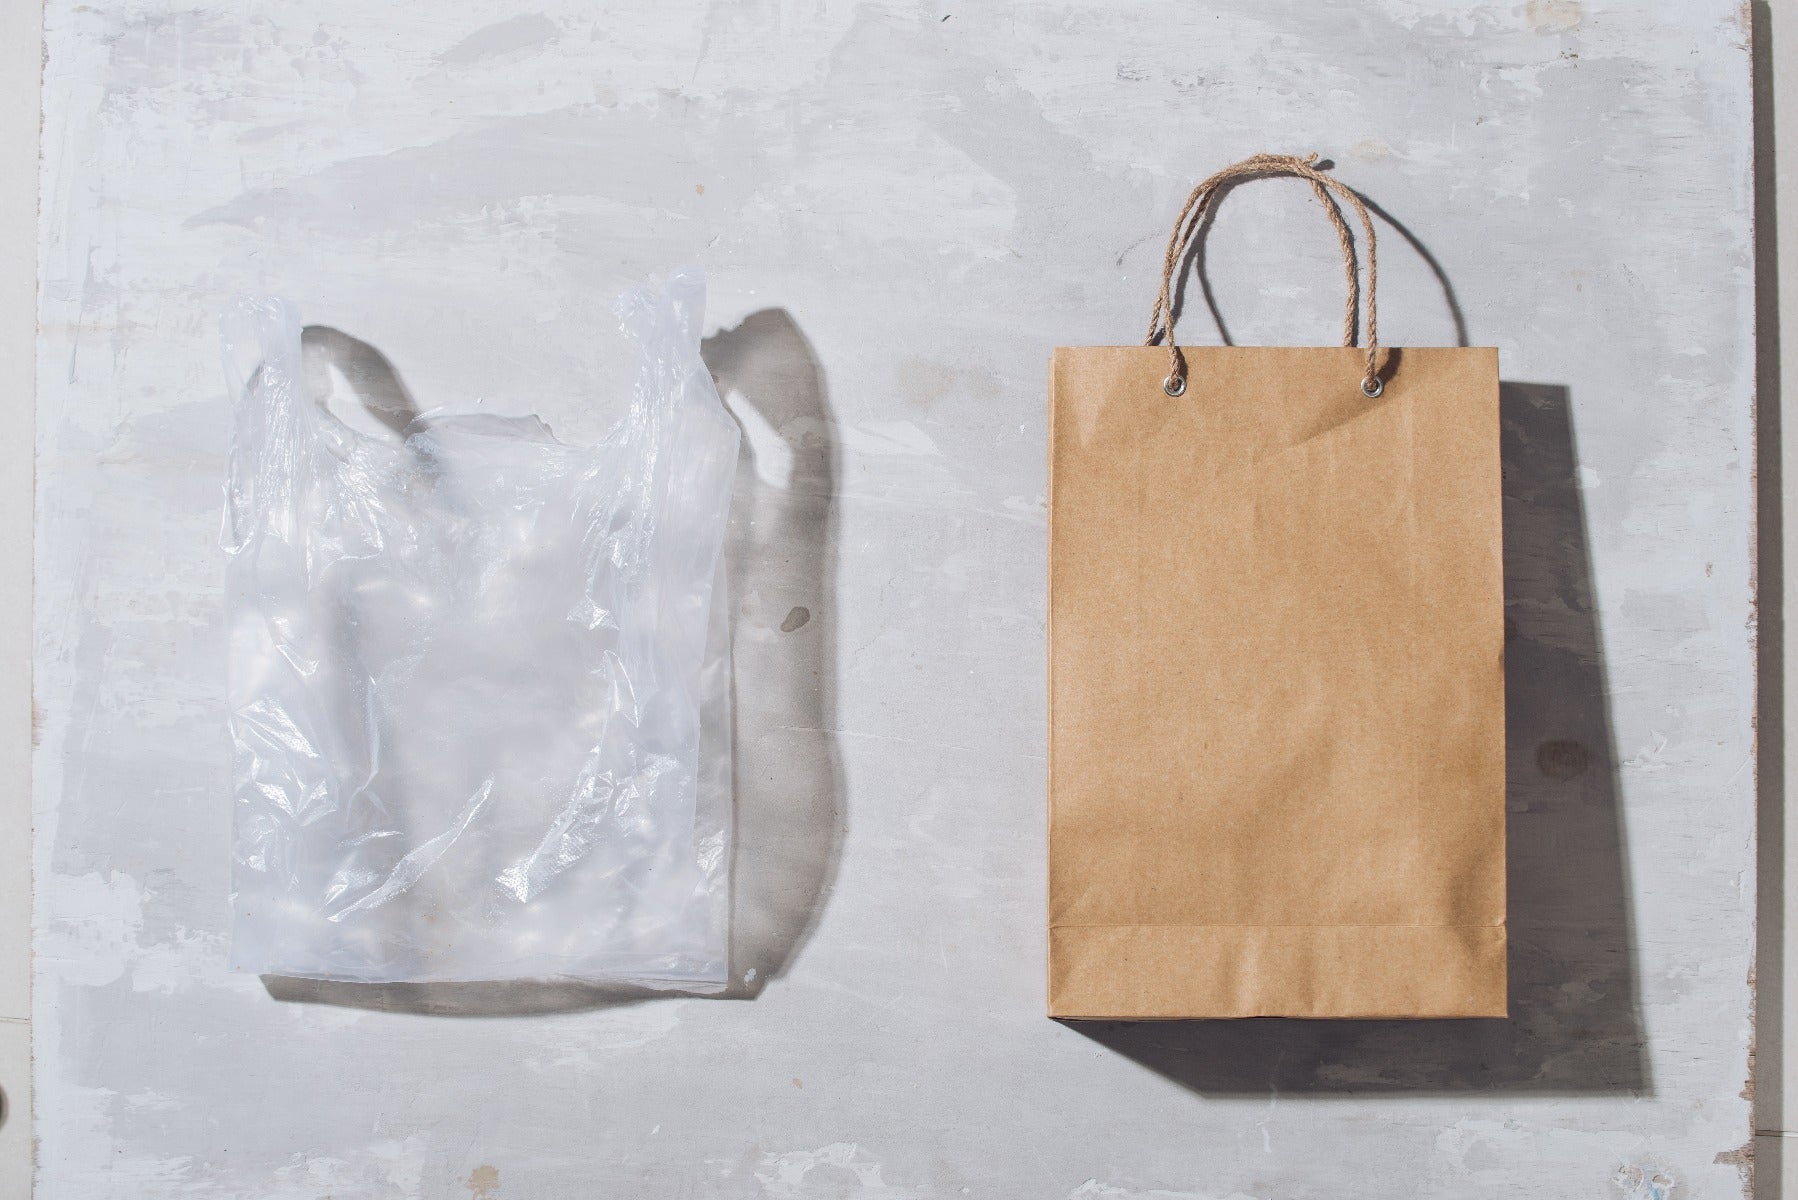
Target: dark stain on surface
x=797 y=617
x=1562 y=759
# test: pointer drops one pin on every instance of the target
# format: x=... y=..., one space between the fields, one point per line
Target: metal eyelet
x=1373 y=393
x=1174 y=385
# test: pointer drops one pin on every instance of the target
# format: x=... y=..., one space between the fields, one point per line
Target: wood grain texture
x=902 y=208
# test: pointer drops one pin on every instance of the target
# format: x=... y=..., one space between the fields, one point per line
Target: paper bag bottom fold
x=1170 y=972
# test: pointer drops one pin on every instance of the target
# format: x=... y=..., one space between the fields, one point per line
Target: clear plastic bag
x=479 y=679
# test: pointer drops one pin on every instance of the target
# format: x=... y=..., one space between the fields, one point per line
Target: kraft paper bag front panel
x=1276 y=686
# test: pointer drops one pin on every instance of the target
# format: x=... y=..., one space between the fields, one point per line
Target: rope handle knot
x=1192 y=218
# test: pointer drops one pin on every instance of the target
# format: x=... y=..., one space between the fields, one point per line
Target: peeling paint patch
x=1553 y=16
x=1742 y=1159
x=1637 y=1181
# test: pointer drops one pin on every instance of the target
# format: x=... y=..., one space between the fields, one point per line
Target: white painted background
x=20 y=49
x=902 y=209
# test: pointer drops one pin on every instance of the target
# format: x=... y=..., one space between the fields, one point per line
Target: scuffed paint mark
x=113 y=1166
x=1637 y=1181
x=149 y=1101
x=94 y=938
x=606 y=1030
x=1370 y=150
x=483 y=1183
x=1092 y=1189
x=873 y=437
x=784 y=1175
x=923 y=382
x=1031 y=509
x=385 y=1168
x=90 y=937
x=1553 y=16
x=174 y=964
x=515 y=35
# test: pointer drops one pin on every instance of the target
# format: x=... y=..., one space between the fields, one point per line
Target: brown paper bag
x=1276 y=672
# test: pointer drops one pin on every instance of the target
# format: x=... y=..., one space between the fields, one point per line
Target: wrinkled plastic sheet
x=479 y=678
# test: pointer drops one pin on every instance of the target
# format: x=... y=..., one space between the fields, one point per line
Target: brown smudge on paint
x=1562 y=759
x=483 y=1183
x=796 y=617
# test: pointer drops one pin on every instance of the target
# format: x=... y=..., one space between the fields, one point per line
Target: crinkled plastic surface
x=479 y=679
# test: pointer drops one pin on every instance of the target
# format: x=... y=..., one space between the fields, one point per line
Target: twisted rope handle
x=1192 y=216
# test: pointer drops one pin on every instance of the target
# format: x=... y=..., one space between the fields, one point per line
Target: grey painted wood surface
x=902 y=209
